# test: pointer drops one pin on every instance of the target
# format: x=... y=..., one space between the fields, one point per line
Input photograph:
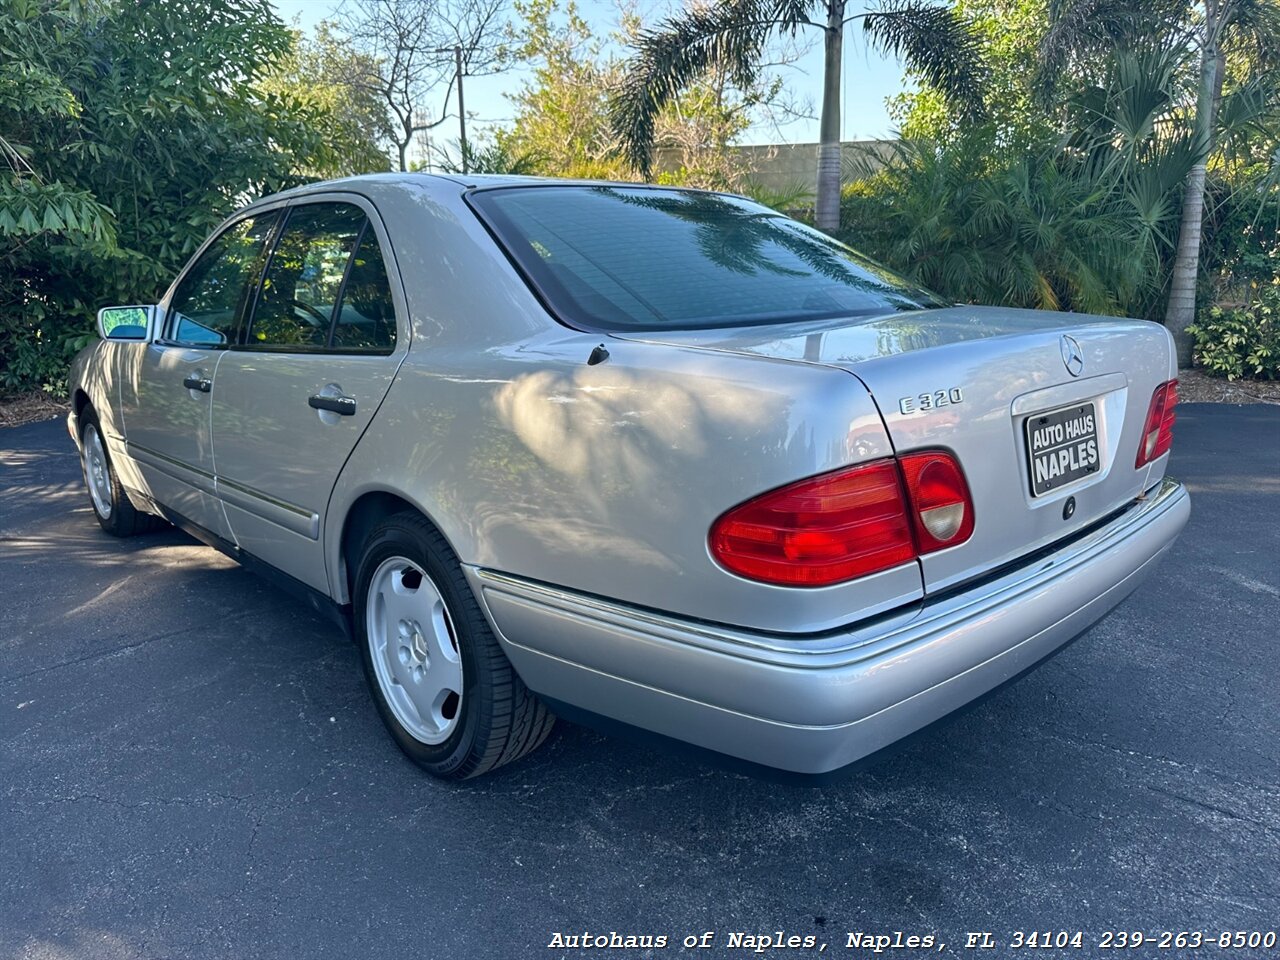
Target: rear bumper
x=813 y=704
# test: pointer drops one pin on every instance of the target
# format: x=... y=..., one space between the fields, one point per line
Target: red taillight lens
x=943 y=508
x=819 y=531
x=847 y=524
x=1157 y=433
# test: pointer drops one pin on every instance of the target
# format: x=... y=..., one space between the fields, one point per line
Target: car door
x=320 y=348
x=165 y=393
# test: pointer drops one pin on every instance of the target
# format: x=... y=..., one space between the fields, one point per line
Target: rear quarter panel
x=599 y=478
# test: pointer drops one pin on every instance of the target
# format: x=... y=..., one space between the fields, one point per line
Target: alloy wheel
x=97 y=472
x=414 y=650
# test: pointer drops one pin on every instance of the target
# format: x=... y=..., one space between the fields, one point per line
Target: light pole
x=462 y=110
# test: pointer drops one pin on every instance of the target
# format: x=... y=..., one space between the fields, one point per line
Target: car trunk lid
x=994 y=386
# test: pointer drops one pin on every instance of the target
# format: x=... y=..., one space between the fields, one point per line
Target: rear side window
x=367 y=318
x=212 y=296
x=303 y=281
x=620 y=257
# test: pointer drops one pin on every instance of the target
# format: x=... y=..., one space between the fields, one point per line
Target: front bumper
x=813 y=704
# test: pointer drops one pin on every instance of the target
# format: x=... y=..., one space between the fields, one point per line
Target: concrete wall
x=782 y=166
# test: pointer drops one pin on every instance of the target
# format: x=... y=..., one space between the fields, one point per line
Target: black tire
x=499 y=719
x=120 y=518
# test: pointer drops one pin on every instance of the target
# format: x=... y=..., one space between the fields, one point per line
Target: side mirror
x=125 y=323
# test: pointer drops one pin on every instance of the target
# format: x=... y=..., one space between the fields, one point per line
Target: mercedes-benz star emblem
x=1072 y=355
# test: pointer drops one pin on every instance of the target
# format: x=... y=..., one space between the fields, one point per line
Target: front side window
x=303 y=281
x=618 y=257
x=212 y=296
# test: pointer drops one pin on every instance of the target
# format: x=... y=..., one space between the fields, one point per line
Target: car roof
x=458 y=181
x=363 y=180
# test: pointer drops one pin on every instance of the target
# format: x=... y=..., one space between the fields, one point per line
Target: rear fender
x=605 y=478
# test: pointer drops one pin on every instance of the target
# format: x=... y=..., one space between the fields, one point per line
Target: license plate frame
x=1064 y=443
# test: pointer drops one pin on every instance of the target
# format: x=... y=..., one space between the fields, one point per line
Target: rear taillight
x=847 y=524
x=1157 y=433
x=943 y=514
x=819 y=531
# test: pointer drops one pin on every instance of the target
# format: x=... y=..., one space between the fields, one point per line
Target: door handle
x=343 y=406
x=203 y=384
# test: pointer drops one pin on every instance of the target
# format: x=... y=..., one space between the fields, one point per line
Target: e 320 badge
x=931 y=400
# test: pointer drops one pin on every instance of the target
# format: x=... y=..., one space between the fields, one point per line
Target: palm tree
x=1209 y=32
x=733 y=34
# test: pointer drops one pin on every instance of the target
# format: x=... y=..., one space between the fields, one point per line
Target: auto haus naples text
x=1064 y=448
x=755 y=942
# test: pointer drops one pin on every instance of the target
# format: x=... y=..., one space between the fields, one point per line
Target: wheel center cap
x=419 y=645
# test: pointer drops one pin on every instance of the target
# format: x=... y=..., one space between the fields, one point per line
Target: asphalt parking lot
x=190 y=767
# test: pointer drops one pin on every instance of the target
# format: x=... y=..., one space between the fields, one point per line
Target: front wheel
x=441 y=683
x=111 y=505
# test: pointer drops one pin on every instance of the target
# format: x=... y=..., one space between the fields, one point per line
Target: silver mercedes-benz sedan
x=652 y=457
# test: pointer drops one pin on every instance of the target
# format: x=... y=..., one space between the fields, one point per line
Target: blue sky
x=869 y=79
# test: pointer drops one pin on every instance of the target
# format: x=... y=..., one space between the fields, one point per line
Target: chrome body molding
x=185 y=472
x=280 y=512
x=813 y=705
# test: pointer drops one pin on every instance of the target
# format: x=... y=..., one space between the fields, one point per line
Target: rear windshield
x=619 y=257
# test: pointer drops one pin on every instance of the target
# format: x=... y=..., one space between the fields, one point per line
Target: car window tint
x=621 y=257
x=210 y=299
x=367 y=319
x=303 y=280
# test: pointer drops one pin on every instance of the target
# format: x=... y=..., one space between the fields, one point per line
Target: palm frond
x=1249 y=112
x=1257 y=23
x=729 y=35
x=1080 y=28
x=793 y=195
x=935 y=42
x=493 y=158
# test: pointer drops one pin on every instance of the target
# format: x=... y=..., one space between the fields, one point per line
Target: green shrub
x=127 y=132
x=1043 y=230
x=1241 y=342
